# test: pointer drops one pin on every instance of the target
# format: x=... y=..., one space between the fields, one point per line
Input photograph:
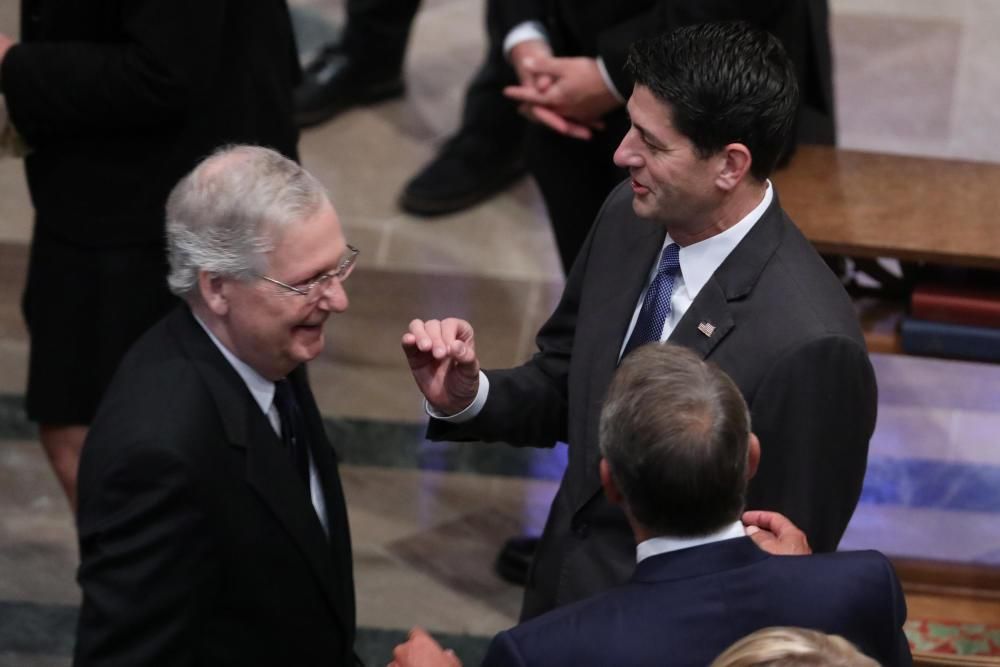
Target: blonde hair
x=792 y=647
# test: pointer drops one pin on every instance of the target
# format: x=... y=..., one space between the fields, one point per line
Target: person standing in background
x=116 y=101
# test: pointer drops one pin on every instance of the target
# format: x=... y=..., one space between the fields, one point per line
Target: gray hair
x=229 y=212
x=675 y=432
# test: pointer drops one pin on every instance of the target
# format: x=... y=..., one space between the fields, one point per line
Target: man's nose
x=334 y=296
x=625 y=155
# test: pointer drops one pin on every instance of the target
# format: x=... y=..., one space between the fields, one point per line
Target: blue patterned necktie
x=656 y=304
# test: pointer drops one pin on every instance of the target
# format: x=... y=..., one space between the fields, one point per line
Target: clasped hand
x=568 y=95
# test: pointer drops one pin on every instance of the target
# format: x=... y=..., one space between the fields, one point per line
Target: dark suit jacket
x=198 y=542
x=785 y=331
x=686 y=607
x=120 y=98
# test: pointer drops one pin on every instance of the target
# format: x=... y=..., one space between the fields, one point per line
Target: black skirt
x=84 y=307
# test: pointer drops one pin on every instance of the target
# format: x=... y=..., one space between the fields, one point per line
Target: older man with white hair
x=212 y=521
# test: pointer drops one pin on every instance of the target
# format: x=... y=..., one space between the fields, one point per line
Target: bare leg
x=63 y=445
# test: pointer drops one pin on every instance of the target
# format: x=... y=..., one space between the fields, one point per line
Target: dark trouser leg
x=377 y=31
x=484 y=156
x=575 y=177
x=364 y=67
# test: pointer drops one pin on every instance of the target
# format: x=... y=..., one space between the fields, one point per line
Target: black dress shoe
x=335 y=81
x=514 y=560
x=467 y=170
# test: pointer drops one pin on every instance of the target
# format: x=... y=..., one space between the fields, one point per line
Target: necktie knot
x=670 y=261
x=656 y=304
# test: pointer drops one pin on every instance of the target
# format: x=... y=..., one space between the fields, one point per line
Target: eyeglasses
x=314 y=289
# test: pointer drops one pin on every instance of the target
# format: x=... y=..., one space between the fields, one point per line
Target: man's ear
x=608 y=482
x=753 y=456
x=212 y=288
x=736 y=161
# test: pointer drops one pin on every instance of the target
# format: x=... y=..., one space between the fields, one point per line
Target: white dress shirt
x=262 y=391
x=661 y=545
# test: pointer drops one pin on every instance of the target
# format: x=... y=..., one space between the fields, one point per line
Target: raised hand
x=442 y=358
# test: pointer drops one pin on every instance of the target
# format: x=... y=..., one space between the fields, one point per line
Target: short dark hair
x=675 y=431
x=724 y=83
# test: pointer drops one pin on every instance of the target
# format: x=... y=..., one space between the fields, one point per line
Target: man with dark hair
x=212 y=522
x=695 y=248
x=574 y=84
x=680 y=473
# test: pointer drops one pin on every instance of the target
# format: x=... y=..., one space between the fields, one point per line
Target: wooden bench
x=875 y=205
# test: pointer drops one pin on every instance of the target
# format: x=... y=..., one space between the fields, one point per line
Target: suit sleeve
x=814 y=414
x=503 y=652
x=898 y=646
x=528 y=405
x=147 y=567
x=144 y=75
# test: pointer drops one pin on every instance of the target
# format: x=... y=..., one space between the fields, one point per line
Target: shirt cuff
x=522 y=32
x=471 y=411
x=603 y=69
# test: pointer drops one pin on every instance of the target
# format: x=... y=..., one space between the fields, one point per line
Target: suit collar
x=260 y=387
x=709 y=319
x=268 y=468
x=700 y=560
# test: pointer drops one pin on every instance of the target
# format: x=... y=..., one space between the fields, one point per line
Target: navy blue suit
x=686 y=607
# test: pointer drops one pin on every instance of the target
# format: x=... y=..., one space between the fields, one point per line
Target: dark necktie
x=293 y=429
x=656 y=304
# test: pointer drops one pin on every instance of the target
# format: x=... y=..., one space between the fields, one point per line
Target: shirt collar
x=700 y=260
x=260 y=387
x=661 y=545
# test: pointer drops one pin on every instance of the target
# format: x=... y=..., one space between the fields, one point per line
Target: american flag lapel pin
x=707 y=328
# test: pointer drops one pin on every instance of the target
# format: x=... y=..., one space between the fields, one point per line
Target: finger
x=543 y=64
x=438 y=347
x=762 y=538
x=561 y=124
x=421 y=338
x=771 y=521
x=463 y=330
x=526 y=94
x=542 y=82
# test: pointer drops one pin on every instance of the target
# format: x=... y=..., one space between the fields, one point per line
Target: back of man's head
x=228 y=213
x=675 y=433
x=724 y=83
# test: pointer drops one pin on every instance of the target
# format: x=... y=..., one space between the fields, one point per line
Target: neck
x=735 y=206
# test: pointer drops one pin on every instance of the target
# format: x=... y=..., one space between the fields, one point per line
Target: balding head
x=675 y=433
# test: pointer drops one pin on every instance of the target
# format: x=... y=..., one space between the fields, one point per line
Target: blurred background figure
x=115 y=103
x=577 y=97
x=365 y=65
x=792 y=647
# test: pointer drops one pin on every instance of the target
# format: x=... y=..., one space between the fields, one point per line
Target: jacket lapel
x=611 y=303
x=269 y=470
x=325 y=460
x=709 y=319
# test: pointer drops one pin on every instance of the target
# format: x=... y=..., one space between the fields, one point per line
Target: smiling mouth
x=310 y=326
x=638 y=188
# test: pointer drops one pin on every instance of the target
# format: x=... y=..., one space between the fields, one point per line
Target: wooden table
x=876 y=205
